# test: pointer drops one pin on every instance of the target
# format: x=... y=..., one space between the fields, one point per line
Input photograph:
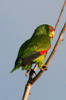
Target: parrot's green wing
x=31 y=47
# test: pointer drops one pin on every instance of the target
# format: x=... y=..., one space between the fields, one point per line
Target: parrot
x=35 y=49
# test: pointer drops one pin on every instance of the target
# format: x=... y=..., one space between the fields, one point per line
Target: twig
x=31 y=81
x=27 y=91
x=60 y=15
x=60 y=39
x=28 y=86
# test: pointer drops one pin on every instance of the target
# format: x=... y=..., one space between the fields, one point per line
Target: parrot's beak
x=52 y=34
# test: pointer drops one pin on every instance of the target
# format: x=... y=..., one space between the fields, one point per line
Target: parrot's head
x=51 y=32
x=45 y=29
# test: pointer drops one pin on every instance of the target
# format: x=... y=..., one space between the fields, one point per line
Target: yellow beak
x=52 y=34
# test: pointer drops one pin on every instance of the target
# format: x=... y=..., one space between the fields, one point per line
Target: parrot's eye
x=51 y=29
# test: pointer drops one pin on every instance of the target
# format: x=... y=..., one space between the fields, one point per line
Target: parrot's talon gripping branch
x=45 y=67
x=32 y=72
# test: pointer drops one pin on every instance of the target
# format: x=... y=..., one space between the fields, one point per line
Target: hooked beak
x=52 y=35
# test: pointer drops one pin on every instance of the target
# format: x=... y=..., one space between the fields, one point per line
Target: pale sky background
x=18 y=19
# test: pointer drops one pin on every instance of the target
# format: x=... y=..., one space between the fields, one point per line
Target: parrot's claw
x=32 y=72
x=45 y=67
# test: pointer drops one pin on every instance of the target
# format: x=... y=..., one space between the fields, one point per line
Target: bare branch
x=60 y=39
x=60 y=15
x=27 y=91
x=28 y=85
x=31 y=81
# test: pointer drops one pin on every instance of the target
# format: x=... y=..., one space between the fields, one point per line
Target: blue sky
x=18 y=19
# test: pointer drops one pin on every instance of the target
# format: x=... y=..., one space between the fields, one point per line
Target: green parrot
x=34 y=50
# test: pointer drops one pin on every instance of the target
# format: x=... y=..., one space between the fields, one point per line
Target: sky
x=18 y=19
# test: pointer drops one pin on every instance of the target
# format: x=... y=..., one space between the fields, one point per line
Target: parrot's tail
x=18 y=63
x=15 y=68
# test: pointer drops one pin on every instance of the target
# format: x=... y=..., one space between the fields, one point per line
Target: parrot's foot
x=45 y=67
x=32 y=72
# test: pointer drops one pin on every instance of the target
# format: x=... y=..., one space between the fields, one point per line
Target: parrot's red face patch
x=51 y=29
x=52 y=32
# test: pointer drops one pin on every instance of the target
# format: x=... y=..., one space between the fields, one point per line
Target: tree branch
x=27 y=91
x=60 y=39
x=60 y=15
x=31 y=80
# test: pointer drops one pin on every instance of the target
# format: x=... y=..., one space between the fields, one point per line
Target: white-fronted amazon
x=35 y=49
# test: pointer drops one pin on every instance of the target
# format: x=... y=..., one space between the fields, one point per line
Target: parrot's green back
x=38 y=42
